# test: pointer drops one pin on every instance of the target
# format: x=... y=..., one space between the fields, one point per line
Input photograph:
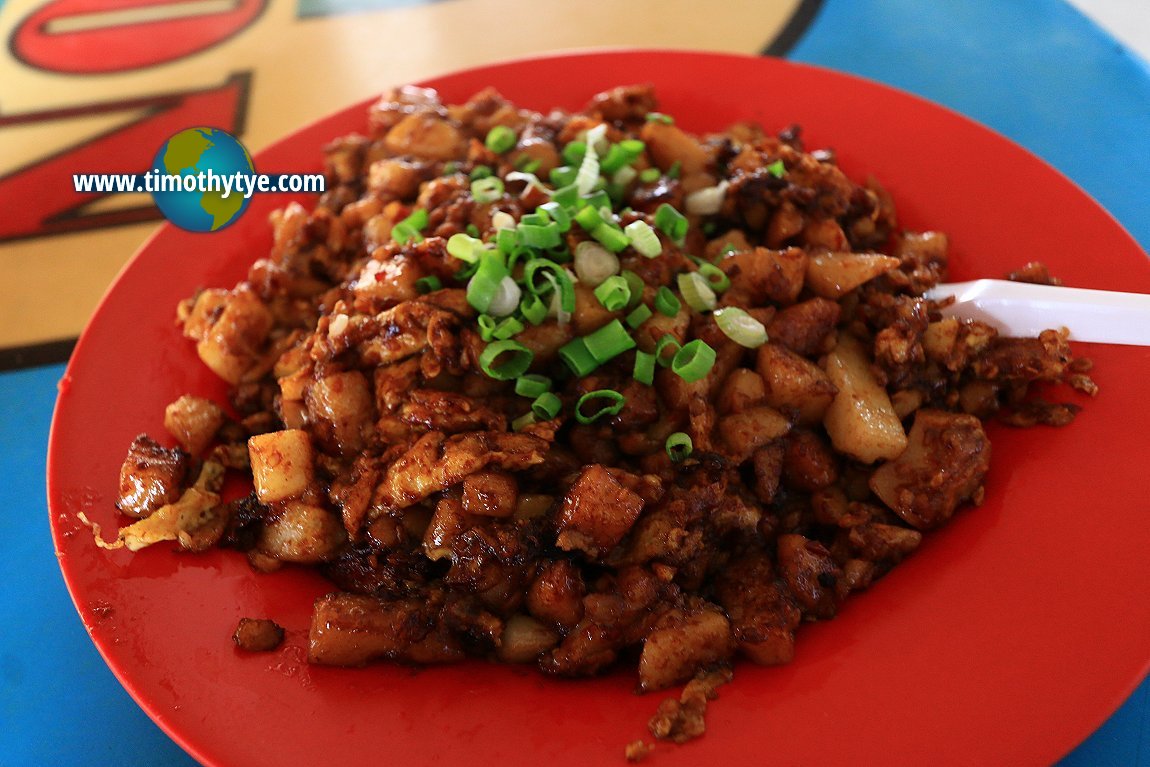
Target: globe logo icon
x=189 y=154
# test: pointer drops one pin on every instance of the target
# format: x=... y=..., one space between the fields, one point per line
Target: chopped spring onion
x=501 y=219
x=527 y=164
x=741 y=327
x=588 y=174
x=516 y=358
x=500 y=139
x=428 y=284
x=540 y=236
x=641 y=314
x=546 y=406
x=533 y=309
x=666 y=302
x=486 y=325
x=649 y=175
x=563 y=176
x=601 y=201
x=532 y=385
x=666 y=349
x=531 y=180
x=671 y=222
x=715 y=277
x=507 y=328
x=565 y=195
x=594 y=263
x=417 y=220
x=596 y=138
x=522 y=422
x=486 y=282
x=624 y=176
x=622 y=155
x=404 y=233
x=573 y=153
x=611 y=238
x=708 y=201
x=450 y=168
x=466 y=272
x=480 y=171
x=555 y=305
x=615 y=402
x=659 y=117
x=487 y=189
x=506 y=240
x=679 y=446
x=644 y=371
x=608 y=342
x=465 y=247
x=613 y=293
x=635 y=282
x=693 y=361
x=696 y=292
x=777 y=169
x=558 y=214
x=643 y=238
x=578 y=359
x=588 y=218
x=556 y=278
x=613 y=160
x=506 y=299
x=675 y=170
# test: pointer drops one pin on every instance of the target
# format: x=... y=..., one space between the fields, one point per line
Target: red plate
x=1007 y=639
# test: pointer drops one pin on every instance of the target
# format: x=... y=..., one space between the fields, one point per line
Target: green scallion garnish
x=666 y=302
x=693 y=361
x=487 y=189
x=533 y=309
x=546 y=406
x=613 y=293
x=532 y=385
x=679 y=446
x=577 y=358
x=635 y=282
x=696 y=292
x=539 y=236
x=507 y=328
x=644 y=371
x=505 y=360
x=671 y=222
x=573 y=153
x=643 y=238
x=484 y=284
x=741 y=327
x=638 y=316
x=666 y=348
x=716 y=279
x=608 y=342
x=500 y=139
x=613 y=399
x=610 y=237
x=486 y=325
x=428 y=284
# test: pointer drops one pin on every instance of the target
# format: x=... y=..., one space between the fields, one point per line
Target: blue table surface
x=1035 y=70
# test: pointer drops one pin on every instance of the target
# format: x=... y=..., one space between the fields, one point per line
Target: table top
x=1037 y=71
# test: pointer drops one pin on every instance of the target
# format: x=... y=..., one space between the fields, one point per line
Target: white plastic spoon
x=1023 y=309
